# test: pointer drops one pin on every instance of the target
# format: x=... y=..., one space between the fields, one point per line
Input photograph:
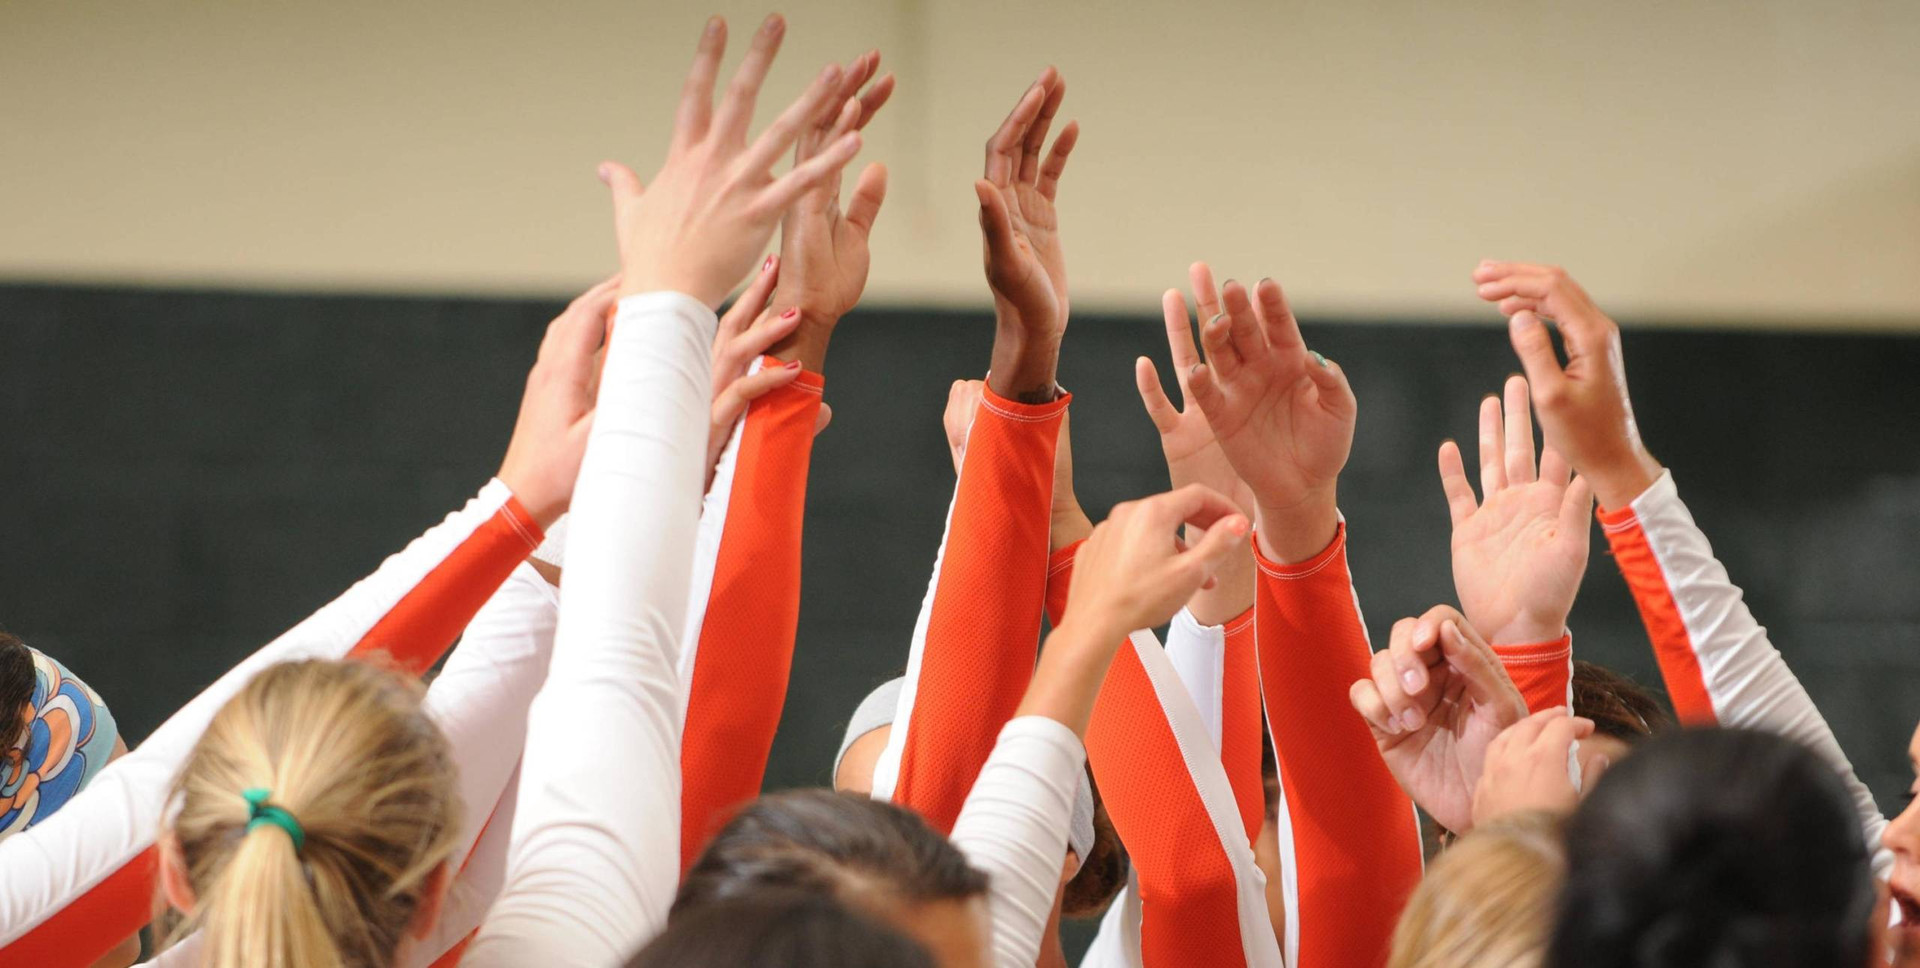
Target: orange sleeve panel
x=1355 y=839
x=1673 y=647
x=1060 y=581
x=1241 y=724
x=1542 y=671
x=745 y=649
x=410 y=636
x=983 y=624
x=1188 y=892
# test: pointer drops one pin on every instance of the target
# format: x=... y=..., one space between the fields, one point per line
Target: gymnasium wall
x=1700 y=163
x=184 y=474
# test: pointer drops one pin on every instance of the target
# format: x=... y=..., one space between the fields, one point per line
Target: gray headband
x=879 y=708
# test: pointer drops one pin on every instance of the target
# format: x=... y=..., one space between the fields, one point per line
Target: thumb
x=1535 y=348
x=996 y=223
x=625 y=184
x=820 y=422
x=1159 y=408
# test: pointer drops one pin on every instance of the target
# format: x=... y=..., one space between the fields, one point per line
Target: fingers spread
x=1206 y=296
x=696 y=95
x=736 y=108
x=1049 y=180
x=868 y=193
x=1281 y=330
x=1554 y=467
x=1159 y=409
x=1217 y=337
x=1036 y=136
x=1493 y=472
x=995 y=221
x=1003 y=148
x=1453 y=481
x=757 y=163
x=1243 y=324
x=1519 y=432
x=1173 y=309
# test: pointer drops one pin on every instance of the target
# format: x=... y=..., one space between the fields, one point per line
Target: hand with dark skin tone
x=823 y=249
x=1026 y=267
x=1583 y=405
x=550 y=436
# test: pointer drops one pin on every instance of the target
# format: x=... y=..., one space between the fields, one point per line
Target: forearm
x=1719 y=665
x=92 y=864
x=745 y=608
x=1024 y=364
x=593 y=863
x=974 y=644
x=1354 y=841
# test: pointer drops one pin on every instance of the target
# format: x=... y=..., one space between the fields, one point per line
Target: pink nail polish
x=793 y=364
x=789 y=314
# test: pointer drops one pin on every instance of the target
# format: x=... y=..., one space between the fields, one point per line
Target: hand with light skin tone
x=1583 y=405
x=1526 y=767
x=550 y=436
x=1437 y=699
x=1902 y=838
x=746 y=332
x=1283 y=415
x=1069 y=520
x=1131 y=573
x=1026 y=267
x=1519 y=554
x=1192 y=452
x=823 y=250
x=707 y=215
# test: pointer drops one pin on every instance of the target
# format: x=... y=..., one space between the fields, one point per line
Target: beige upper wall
x=1696 y=162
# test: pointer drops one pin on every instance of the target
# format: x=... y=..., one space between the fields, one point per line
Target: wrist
x=1527 y=631
x=1296 y=532
x=1069 y=524
x=1622 y=481
x=808 y=341
x=1024 y=365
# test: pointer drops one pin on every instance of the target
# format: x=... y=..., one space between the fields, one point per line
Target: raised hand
x=707 y=216
x=1437 y=698
x=1131 y=573
x=1518 y=554
x=963 y=399
x=550 y=436
x=1026 y=268
x=746 y=332
x=1528 y=767
x=1583 y=405
x=1187 y=442
x=1284 y=417
x=824 y=250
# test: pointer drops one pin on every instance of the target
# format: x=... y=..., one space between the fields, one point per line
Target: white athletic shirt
x=593 y=861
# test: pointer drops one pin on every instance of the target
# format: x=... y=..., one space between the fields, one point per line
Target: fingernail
x=605 y=172
x=1317 y=358
x=713 y=25
x=1411 y=680
x=793 y=364
x=1410 y=719
x=1217 y=316
x=789 y=314
x=1196 y=368
x=764 y=266
x=1238 y=525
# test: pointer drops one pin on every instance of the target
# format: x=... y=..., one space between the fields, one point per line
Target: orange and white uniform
x=1542 y=671
x=1175 y=745
x=978 y=633
x=1719 y=666
x=75 y=886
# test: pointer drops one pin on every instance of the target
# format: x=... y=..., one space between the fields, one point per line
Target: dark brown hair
x=829 y=844
x=779 y=929
x=1619 y=707
x=16 y=686
x=1103 y=872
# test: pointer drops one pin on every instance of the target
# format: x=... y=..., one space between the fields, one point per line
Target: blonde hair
x=1488 y=901
x=346 y=749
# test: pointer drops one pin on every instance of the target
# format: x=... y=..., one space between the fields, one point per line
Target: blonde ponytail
x=356 y=788
x=1488 y=900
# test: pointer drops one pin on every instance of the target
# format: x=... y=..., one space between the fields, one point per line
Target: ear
x=174 y=881
x=433 y=898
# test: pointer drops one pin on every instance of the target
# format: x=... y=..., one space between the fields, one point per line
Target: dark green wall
x=183 y=475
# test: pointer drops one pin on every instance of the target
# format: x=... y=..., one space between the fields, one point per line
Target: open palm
x=1519 y=554
x=824 y=252
x=1187 y=440
x=1283 y=415
x=1026 y=266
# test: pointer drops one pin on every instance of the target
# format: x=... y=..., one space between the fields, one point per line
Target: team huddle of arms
x=579 y=784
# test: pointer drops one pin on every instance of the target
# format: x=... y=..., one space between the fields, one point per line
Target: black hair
x=830 y=844
x=779 y=929
x=1716 y=847
x=17 y=682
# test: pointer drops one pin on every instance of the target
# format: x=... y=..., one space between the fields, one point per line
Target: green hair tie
x=259 y=811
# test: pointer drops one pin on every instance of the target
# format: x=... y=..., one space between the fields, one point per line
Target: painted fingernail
x=1317 y=358
x=764 y=266
x=789 y=314
x=793 y=364
x=1216 y=318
